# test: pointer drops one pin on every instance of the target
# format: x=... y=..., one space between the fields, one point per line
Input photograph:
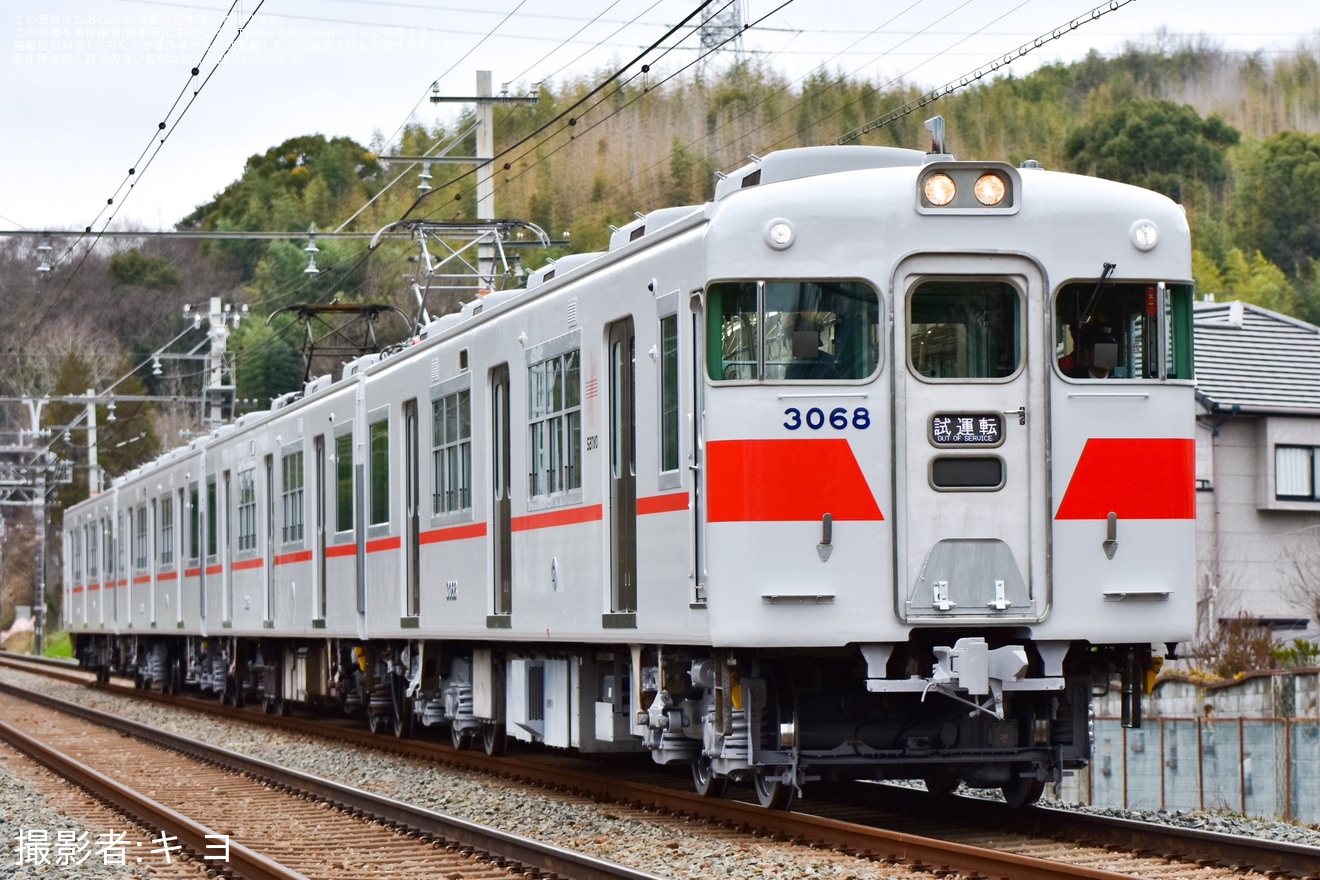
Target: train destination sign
x=967 y=429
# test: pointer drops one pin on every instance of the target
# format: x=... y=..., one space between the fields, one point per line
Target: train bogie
x=872 y=466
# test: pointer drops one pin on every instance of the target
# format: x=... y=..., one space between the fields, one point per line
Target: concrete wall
x=1250 y=747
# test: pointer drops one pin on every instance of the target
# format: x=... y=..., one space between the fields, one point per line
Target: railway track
x=264 y=822
x=973 y=838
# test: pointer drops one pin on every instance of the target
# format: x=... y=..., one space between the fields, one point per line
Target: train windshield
x=1123 y=330
x=792 y=331
x=965 y=329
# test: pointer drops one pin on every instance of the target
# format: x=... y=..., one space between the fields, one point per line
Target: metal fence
x=1259 y=767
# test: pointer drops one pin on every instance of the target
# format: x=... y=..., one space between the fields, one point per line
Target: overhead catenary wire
x=567 y=112
x=967 y=79
x=984 y=70
x=151 y=150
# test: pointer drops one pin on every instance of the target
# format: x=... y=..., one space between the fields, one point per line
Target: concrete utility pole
x=93 y=462
x=218 y=332
x=485 y=100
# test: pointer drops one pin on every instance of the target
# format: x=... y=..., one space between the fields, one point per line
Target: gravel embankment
x=668 y=847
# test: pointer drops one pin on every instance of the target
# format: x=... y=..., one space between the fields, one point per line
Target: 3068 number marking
x=838 y=418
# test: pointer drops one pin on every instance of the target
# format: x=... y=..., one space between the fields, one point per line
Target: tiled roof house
x=1258 y=466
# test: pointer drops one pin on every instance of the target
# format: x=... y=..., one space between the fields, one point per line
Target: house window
x=451 y=452
x=555 y=421
x=166 y=514
x=291 y=486
x=1295 y=474
x=247 y=509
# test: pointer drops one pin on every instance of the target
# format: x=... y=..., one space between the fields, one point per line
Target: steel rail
x=192 y=836
x=1277 y=858
x=499 y=845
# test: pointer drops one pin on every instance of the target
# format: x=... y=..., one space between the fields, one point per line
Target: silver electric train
x=873 y=466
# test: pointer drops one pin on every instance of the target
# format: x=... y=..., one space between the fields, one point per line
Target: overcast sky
x=86 y=83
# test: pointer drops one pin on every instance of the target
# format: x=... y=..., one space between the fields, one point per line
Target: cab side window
x=792 y=331
x=1123 y=331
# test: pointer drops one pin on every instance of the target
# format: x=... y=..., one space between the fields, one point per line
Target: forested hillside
x=1236 y=140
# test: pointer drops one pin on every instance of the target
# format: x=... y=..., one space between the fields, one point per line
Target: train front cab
x=993 y=533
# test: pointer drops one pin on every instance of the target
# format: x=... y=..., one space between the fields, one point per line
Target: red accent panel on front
x=248 y=564
x=296 y=556
x=1133 y=478
x=786 y=481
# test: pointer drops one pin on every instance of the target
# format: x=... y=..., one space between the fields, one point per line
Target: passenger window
x=804 y=331
x=965 y=329
x=1123 y=330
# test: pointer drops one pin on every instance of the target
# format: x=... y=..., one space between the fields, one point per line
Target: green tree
x=1156 y=144
x=303 y=181
x=1276 y=198
x=1206 y=275
x=1258 y=281
x=269 y=365
x=136 y=269
x=122 y=443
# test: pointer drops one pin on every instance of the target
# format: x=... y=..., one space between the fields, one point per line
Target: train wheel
x=403 y=720
x=1023 y=791
x=375 y=723
x=773 y=794
x=494 y=738
x=942 y=782
x=456 y=736
x=175 y=677
x=704 y=780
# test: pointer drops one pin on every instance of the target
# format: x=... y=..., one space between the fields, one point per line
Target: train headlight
x=939 y=189
x=990 y=189
x=1145 y=235
x=779 y=234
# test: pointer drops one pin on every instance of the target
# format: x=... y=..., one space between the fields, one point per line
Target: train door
x=318 y=465
x=227 y=550
x=501 y=484
x=121 y=565
x=623 y=467
x=180 y=557
x=270 y=538
x=970 y=433
x=153 y=557
x=411 y=502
